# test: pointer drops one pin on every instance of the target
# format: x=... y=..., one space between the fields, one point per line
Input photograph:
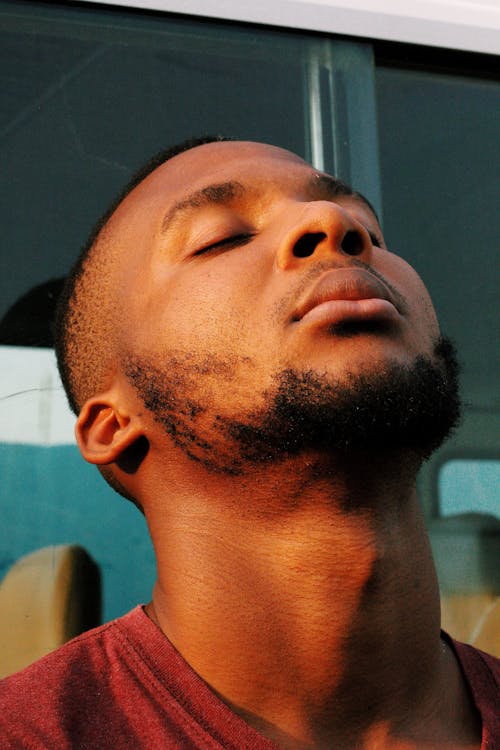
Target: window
x=440 y=161
x=90 y=94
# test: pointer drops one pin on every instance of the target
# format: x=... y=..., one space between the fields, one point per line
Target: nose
x=321 y=230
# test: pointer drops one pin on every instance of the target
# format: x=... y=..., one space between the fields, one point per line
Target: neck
x=323 y=593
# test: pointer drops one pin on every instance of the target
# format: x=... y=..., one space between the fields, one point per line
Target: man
x=263 y=378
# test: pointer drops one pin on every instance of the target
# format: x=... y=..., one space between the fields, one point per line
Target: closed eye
x=226 y=243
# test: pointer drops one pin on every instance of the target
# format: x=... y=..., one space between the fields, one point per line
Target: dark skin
x=302 y=589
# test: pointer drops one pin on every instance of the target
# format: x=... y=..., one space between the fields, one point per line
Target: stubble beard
x=409 y=409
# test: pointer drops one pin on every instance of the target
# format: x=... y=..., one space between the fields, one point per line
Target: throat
x=326 y=617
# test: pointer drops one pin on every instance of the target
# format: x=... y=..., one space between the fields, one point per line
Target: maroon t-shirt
x=124 y=686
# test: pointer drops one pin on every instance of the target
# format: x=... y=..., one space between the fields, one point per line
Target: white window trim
x=472 y=25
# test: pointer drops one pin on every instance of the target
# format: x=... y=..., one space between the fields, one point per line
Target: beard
x=409 y=409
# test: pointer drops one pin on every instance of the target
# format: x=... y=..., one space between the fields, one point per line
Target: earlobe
x=103 y=433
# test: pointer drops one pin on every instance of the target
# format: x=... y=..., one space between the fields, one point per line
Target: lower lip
x=342 y=310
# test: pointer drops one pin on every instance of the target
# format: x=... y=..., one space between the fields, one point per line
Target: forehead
x=201 y=166
x=215 y=163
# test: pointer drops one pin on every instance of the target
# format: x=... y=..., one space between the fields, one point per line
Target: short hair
x=83 y=317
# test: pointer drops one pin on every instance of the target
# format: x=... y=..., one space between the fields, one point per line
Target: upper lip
x=345 y=284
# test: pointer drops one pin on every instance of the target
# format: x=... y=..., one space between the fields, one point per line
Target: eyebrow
x=223 y=193
x=334 y=187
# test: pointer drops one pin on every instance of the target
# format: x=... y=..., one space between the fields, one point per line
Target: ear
x=103 y=431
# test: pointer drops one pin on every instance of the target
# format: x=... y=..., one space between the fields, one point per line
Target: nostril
x=352 y=244
x=306 y=245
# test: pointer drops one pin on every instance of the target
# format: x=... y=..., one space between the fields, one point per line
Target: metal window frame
x=471 y=25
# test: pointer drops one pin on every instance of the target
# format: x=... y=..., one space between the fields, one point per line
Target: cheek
x=206 y=315
x=207 y=318
x=421 y=314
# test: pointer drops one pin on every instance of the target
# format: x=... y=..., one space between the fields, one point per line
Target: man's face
x=242 y=263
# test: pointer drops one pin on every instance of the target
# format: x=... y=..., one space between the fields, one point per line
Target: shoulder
x=85 y=653
x=482 y=673
x=481 y=669
x=121 y=686
x=49 y=695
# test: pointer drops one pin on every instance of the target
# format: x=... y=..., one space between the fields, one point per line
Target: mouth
x=348 y=294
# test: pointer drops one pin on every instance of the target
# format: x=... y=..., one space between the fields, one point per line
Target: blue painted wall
x=51 y=496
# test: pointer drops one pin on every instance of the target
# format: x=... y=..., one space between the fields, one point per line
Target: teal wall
x=51 y=496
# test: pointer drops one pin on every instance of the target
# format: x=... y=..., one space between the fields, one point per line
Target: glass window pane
x=440 y=163
x=89 y=95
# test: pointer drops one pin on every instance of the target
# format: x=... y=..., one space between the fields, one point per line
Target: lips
x=347 y=293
